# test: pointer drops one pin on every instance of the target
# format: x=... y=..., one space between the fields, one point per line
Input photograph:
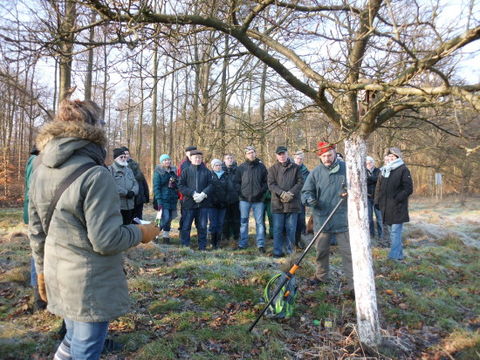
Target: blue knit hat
x=164 y=157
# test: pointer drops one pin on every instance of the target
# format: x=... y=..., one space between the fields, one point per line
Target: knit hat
x=190 y=148
x=117 y=152
x=249 y=148
x=215 y=162
x=395 y=151
x=281 y=149
x=324 y=146
x=369 y=158
x=164 y=157
x=300 y=153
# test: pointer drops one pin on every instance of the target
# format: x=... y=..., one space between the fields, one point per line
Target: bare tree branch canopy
x=399 y=73
x=221 y=74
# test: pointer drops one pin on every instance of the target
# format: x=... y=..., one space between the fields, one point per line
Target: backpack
x=284 y=304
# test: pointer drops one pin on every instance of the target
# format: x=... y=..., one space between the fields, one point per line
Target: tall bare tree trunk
x=261 y=110
x=88 y=79
x=174 y=97
x=67 y=24
x=223 y=98
x=153 y=142
x=138 y=152
x=364 y=278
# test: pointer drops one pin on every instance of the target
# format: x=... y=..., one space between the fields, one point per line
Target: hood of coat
x=58 y=141
x=161 y=170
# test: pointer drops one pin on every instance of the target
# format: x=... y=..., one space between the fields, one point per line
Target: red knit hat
x=324 y=146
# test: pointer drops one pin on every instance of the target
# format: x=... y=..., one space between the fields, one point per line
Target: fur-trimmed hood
x=57 y=141
x=161 y=170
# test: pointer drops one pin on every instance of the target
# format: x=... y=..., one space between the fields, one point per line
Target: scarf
x=391 y=166
x=219 y=173
x=334 y=167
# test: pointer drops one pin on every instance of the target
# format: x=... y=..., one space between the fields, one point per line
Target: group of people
x=219 y=200
x=80 y=213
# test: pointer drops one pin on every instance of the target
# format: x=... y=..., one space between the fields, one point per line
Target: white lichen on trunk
x=364 y=278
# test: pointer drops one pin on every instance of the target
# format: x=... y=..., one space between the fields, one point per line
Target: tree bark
x=88 y=79
x=66 y=49
x=364 y=278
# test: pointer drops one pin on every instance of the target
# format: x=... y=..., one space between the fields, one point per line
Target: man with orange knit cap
x=321 y=191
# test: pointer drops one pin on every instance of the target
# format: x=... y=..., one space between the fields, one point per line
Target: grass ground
x=198 y=305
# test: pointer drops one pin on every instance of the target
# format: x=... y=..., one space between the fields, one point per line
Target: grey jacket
x=81 y=257
x=325 y=186
x=126 y=182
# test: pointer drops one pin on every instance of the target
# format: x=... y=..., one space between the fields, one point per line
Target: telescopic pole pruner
x=290 y=273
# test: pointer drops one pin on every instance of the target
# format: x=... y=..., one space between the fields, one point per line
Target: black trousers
x=138 y=211
x=127 y=216
x=231 y=225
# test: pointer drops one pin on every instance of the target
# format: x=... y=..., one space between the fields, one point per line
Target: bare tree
x=367 y=67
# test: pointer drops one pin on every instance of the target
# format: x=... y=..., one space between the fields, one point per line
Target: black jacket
x=195 y=178
x=285 y=177
x=372 y=178
x=223 y=190
x=391 y=195
x=251 y=181
x=231 y=171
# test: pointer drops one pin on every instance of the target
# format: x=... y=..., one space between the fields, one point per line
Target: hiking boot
x=38 y=303
x=166 y=240
x=261 y=249
x=111 y=346
x=277 y=256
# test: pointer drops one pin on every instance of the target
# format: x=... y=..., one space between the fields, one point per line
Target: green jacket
x=325 y=185
x=28 y=175
x=81 y=256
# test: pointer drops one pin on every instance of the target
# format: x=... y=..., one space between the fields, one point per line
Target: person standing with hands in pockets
x=165 y=192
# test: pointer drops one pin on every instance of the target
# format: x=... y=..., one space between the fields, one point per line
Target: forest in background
x=166 y=87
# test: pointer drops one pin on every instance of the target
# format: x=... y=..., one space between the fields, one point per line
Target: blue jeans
x=285 y=222
x=166 y=221
x=378 y=216
x=258 y=208
x=33 y=274
x=396 y=250
x=216 y=217
x=83 y=340
x=200 y=215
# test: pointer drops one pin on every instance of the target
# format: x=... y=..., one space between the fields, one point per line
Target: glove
x=311 y=202
x=130 y=194
x=195 y=196
x=149 y=232
x=288 y=196
x=42 y=290
x=203 y=196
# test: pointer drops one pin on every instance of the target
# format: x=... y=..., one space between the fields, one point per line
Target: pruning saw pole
x=290 y=273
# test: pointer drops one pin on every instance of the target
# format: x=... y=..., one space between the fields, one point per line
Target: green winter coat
x=28 y=175
x=325 y=186
x=81 y=256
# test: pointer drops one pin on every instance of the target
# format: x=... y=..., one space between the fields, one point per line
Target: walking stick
x=290 y=273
